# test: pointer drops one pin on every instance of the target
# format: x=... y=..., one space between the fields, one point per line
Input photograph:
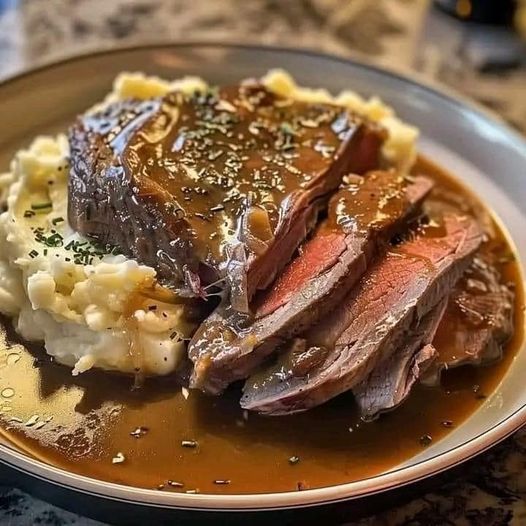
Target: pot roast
x=363 y=213
x=222 y=185
x=372 y=322
x=474 y=323
x=478 y=320
x=390 y=382
x=334 y=272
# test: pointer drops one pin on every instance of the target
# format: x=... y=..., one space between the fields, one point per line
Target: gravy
x=156 y=437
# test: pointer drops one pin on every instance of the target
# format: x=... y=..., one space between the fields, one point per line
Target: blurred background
x=475 y=46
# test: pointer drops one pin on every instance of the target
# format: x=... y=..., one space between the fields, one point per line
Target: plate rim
x=293 y=499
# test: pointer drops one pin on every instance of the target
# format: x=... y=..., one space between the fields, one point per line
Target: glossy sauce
x=207 y=160
x=96 y=425
x=369 y=203
x=361 y=206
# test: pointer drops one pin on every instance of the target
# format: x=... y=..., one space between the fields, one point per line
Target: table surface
x=406 y=34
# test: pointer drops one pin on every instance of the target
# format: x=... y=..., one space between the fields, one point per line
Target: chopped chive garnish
x=55 y=240
x=41 y=206
x=33 y=254
x=29 y=213
x=83 y=252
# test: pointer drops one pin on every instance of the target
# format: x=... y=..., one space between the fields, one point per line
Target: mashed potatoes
x=75 y=296
x=90 y=306
x=399 y=148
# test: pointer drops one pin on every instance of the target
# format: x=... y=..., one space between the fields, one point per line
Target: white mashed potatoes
x=90 y=307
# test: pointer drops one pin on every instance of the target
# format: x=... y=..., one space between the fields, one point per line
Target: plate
x=468 y=141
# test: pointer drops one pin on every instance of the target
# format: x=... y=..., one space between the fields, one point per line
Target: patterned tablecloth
x=406 y=34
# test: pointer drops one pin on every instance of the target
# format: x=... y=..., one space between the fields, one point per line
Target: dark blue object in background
x=494 y=12
x=7 y=4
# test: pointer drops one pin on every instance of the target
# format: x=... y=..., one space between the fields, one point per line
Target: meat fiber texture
x=478 y=318
x=390 y=382
x=222 y=185
x=363 y=214
x=372 y=322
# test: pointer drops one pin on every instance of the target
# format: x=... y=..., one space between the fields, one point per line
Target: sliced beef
x=371 y=323
x=217 y=185
x=390 y=383
x=365 y=211
x=477 y=323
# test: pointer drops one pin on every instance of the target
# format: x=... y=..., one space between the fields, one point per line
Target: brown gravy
x=208 y=153
x=87 y=424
